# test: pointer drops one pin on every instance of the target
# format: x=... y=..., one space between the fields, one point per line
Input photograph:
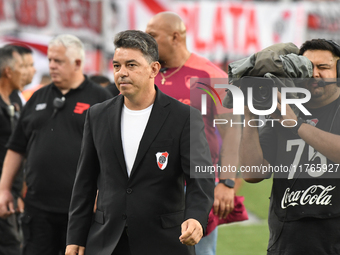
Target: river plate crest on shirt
x=162 y=159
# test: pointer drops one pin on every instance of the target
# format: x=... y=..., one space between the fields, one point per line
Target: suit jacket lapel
x=157 y=117
x=115 y=113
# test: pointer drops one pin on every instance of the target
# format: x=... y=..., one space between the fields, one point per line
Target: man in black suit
x=138 y=150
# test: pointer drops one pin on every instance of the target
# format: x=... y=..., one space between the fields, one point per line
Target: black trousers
x=9 y=236
x=123 y=247
x=44 y=232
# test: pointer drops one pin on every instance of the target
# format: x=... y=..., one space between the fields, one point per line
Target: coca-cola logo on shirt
x=315 y=194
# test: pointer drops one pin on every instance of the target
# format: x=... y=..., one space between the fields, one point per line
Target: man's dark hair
x=135 y=39
x=22 y=50
x=320 y=44
x=6 y=57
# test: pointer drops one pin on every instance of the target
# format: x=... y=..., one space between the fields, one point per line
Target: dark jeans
x=44 y=232
x=9 y=236
x=123 y=247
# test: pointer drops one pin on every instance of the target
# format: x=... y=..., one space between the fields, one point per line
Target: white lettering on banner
x=309 y=196
x=221 y=23
x=2 y=11
x=33 y=13
x=81 y=17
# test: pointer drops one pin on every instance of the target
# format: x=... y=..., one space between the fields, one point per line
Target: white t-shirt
x=133 y=124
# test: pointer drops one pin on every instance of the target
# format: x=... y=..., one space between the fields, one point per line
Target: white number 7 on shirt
x=312 y=154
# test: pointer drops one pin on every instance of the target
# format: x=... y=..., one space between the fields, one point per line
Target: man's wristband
x=228 y=182
x=296 y=128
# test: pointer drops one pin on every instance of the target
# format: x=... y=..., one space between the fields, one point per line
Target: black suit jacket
x=151 y=203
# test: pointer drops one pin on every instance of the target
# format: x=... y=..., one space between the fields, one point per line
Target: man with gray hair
x=138 y=152
x=11 y=65
x=49 y=134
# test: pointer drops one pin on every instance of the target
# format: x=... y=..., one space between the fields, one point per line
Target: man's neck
x=5 y=91
x=75 y=83
x=141 y=101
x=178 y=59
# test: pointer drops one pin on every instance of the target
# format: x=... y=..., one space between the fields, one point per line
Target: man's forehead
x=56 y=48
x=151 y=29
x=318 y=52
x=319 y=55
x=127 y=53
x=28 y=56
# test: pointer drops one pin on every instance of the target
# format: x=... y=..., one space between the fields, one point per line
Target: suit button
x=124 y=216
x=129 y=191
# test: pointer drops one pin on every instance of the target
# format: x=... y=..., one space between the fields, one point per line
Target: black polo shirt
x=15 y=99
x=5 y=130
x=51 y=139
x=5 y=133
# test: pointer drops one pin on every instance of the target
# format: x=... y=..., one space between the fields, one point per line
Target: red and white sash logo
x=312 y=122
x=162 y=159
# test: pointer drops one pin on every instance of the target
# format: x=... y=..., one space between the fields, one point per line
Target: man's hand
x=248 y=115
x=73 y=249
x=223 y=201
x=6 y=204
x=21 y=205
x=290 y=115
x=192 y=232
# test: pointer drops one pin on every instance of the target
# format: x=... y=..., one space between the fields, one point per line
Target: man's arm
x=84 y=191
x=250 y=150
x=10 y=169
x=326 y=143
x=200 y=186
x=224 y=196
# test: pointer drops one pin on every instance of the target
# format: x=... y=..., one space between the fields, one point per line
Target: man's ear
x=176 y=38
x=155 y=66
x=7 y=72
x=78 y=64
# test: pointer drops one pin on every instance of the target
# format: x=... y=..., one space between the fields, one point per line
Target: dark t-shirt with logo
x=51 y=139
x=308 y=197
